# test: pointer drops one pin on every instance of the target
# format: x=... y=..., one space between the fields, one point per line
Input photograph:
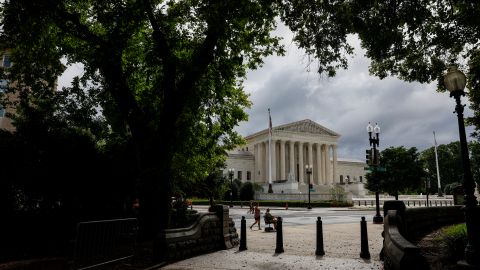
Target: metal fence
x=103 y=242
x=409 y=202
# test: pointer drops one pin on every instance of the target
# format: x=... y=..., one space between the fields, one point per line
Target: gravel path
x=341 y=245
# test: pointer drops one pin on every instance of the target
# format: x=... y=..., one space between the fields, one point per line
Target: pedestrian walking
x=252 y=208
x=257 y=217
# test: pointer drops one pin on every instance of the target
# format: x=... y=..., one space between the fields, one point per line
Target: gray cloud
x=406 y=112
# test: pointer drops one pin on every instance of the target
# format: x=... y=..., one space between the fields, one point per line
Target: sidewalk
x=341 y=245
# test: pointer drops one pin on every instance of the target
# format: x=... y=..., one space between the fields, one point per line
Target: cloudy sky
x=407 y=113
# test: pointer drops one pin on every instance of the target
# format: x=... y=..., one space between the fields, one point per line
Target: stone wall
x=420 y=221
x=240 y=161
x=398 y=253
x=212 y=231
x=354 y=171
x=402 y=226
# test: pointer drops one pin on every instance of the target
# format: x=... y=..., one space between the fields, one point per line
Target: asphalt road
x=301 y=216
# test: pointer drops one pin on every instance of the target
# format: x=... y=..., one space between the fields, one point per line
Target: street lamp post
x=309 y=168
x=427 y=189
x=455 y=82
x=374 y=142
x=230 y=174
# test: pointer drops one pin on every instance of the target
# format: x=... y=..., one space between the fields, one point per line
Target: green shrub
x=247 y=192
x=455 y=240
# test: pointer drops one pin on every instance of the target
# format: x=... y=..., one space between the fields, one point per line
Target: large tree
x=165 y=75
x=449 y=162
x=403 y=171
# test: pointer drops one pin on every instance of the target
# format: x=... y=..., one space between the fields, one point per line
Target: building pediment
x=302 y=128
x=306 y=126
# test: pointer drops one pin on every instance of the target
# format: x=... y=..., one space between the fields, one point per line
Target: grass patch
x=454 y=238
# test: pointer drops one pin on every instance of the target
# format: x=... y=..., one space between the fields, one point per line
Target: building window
x=361 y=180
x=341 y=179
x=7 y=62
x=348 y=179
x=239 y=175
x=249 y=175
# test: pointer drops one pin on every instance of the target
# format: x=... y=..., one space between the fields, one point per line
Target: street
x=300 y=216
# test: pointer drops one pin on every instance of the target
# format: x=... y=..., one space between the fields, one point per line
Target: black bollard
x=279 y=248
x=319 y=250
x=243 y=234
x=408 y=203
x=413 y=203
x=364 y=253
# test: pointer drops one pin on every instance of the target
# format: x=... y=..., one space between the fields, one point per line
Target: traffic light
x=376 y=158
x=368 y=156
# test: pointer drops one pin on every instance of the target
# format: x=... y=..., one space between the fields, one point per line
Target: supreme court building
x=295 y=145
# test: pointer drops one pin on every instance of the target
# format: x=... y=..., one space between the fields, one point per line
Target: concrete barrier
x=211 y=231
x=403 y=225
x=398 y=252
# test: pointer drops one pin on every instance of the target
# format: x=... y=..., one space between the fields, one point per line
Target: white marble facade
x=294 y=145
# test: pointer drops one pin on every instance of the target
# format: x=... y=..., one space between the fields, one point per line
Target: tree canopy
x=403 y=171
x=163 y=76
x=450 y=163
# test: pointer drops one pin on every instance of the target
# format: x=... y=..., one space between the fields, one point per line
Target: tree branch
x=159 y=35
x=70 y=23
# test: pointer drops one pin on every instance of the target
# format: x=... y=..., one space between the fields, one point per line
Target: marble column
x=265 y=161
x=334 y=164
x=292 y=159
x=319 y=164
x=282 y=160
x=274 y=161
x=261 y=164
x=328 y=178
x=300 y=163
x=322 y=152
x=257 y=163
x=310 y=160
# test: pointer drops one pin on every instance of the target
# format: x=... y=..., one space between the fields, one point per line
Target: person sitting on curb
x=270 y=219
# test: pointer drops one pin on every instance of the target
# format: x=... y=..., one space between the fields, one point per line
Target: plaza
x=341 y=232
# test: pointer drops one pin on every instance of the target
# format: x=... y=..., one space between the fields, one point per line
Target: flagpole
x=438 y=170
x=270 y=190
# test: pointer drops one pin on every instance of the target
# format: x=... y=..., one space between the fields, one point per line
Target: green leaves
x=404 y=171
